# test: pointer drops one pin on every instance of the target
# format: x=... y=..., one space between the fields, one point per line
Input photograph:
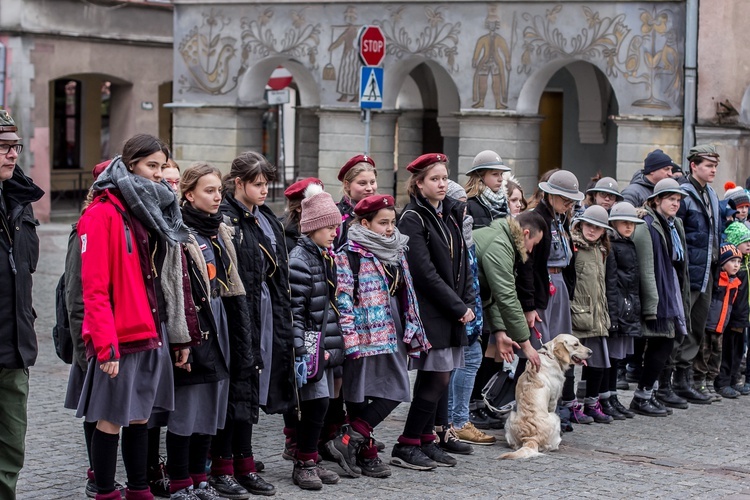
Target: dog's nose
x=590 y=351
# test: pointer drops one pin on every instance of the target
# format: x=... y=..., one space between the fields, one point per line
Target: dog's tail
x=528 y=450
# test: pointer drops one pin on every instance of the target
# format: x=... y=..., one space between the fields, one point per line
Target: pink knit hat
x=318 y=210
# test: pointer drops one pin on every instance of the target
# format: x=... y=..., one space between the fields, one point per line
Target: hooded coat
x=639 y=189
x=499 y=248
x=588 y=307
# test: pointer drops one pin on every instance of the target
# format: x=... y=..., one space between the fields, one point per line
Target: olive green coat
x=499 y=247
x=589 y=311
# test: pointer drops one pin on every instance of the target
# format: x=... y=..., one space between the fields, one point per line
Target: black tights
x=655 y=356
x=593 y=378
x=429 y=388
x=309 y=426
x=373 y=411
x=610 y=375
x=569 y=387
x=234 y=440
x=187 y=455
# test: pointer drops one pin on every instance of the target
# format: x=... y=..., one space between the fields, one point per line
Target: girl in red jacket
x=133 y=294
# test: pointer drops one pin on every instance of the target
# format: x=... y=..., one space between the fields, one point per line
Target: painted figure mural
x=491 y=60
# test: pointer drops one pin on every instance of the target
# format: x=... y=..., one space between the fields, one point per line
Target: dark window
x=66 y=143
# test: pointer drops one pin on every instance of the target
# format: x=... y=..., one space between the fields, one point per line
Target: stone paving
x=702 y=452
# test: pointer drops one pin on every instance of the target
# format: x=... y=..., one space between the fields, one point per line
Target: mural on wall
x=437 y=40
x=207 y=54
x=300 y=40
x=347 y=76
x=492 y=60
x=638 y=46
x=650 y=58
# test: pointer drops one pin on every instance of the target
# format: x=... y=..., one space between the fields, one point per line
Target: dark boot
x=305 y=476
x=620 y=407
x=643 y=406
x=344 y=448
x=666 y=393
x=609 y=409
x=659 y=404
x=683 y=387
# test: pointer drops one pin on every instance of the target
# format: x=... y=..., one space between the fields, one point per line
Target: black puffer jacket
x=479 y=212
x=18 y=346
x=533 y=276
x=623 y=287
x=439 y=264
x=252 y=249
x=309 y=277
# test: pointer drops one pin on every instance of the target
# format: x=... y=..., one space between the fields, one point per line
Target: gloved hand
x=300 y=371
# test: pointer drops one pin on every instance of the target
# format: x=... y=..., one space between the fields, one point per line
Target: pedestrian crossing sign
x=371 y=88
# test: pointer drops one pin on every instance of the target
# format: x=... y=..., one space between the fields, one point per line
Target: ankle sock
x=305 y=457
x=134 y=451
x=198 y=479
x=427 y=438
x=643 y=393
x=409 y=441
x=222 y=467
x=104 y=458
x=176 y=485
x=604 y=395
x=244 y=465
x=362 y=427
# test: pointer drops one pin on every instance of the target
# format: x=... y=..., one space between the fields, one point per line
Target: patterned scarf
x=497 y=202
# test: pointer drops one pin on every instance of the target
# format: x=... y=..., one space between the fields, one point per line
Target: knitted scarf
x=496 y=202
x=678 y=253
x=155 y=205
x=387 y=250
x=202 y=222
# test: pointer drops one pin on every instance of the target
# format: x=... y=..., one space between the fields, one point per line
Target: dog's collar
x=543 y=350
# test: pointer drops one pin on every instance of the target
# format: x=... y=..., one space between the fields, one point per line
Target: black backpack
x=61 y=331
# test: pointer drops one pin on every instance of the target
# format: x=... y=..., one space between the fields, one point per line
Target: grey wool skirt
x=144 y=385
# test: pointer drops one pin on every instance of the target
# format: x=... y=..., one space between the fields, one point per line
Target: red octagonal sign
x=371 y=45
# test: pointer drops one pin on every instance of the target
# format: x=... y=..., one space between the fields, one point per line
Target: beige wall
x=723 y=62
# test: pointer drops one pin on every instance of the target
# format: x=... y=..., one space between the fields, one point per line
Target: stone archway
x=252 y=85
x=580 y=100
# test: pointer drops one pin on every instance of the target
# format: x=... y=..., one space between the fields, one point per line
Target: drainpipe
x=691 y=73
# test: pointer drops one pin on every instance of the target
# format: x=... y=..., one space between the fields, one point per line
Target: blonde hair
x=191 y=176
x=353 y=172
x=475 y=185
x=411 y=184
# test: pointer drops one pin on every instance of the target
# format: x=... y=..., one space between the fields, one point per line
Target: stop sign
x=280 y=78
x=372 y=45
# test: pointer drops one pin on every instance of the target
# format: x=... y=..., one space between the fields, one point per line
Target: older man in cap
x=699 y=212
x=19 y=252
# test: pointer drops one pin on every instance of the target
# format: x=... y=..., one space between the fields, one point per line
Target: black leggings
x=655 y=356
x=593 y=378
x=187 y=455
x=429 y=388
x=569 y=387
x=487 y=369
x=373 y=411
x=235 y=440
x=610 y=375
x=309 y=426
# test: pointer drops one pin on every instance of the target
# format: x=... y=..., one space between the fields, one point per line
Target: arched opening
x=576 y=100
x=89 y=117
x=426 y=96
x=289 y=123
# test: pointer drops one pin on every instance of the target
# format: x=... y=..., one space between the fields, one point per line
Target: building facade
x=81 y=77
x=587 y=86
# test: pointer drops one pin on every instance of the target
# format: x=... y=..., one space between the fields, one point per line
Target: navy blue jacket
x=701 y=235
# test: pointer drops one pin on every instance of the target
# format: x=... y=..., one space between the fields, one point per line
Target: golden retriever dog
x=534 y=426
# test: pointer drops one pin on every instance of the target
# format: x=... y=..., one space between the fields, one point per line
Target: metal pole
x=367 y=131
x=691 y=72
x=282 y=158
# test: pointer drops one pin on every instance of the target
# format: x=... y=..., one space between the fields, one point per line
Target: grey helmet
x=488 y=160
x=606 y=185
x=667 y=186
x=563 y=183
x=624 y=211
x=596 y=215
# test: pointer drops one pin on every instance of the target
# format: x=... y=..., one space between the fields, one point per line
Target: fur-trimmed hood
x=580 y=242
x=508 y=177
x=516 y=232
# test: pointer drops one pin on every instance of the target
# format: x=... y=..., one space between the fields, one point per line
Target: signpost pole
x=367 y=131
x=282 y=158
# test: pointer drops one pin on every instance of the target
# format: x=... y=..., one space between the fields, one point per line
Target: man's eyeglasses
x=5 y=148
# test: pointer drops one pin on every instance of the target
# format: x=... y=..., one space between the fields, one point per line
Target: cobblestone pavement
x=701 y=452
